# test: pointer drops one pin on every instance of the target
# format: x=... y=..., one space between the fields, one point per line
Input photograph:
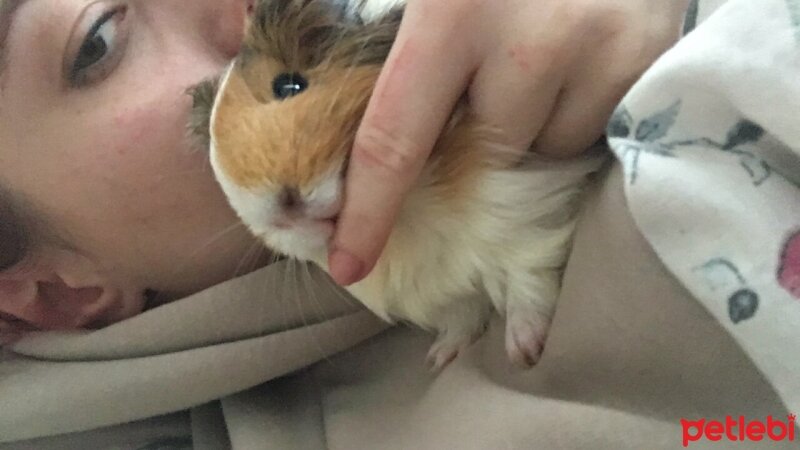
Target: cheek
x=141 y=156
x=131 y=189
x=160 y=201
x=144 y=152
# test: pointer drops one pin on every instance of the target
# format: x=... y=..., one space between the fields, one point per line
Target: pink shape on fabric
x=789 y=272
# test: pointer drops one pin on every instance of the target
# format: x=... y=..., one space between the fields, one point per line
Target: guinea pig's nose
x=290 y=199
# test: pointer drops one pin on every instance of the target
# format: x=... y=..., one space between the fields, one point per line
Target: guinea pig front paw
x=448 y=345
x=444 y=351
x=526 y=332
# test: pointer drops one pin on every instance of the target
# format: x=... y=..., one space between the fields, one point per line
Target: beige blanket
x=246 y=366
x=275 y=360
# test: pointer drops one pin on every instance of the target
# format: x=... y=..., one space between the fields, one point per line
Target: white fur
x=446 y=267
x=259 y=211
x=325 y=200
x=259 y=208
x=375 y=9
x=254 y=207
x=510 y=243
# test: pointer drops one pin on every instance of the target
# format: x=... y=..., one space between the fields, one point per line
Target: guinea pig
x=484 y=229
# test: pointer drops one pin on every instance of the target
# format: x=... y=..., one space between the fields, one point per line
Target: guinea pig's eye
x=288 y=85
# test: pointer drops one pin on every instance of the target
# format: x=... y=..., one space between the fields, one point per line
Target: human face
x=93 y=113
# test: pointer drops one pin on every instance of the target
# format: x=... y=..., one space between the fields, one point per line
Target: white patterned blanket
x=710 y=142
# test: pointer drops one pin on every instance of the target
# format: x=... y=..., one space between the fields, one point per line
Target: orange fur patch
x=292 y=142
x=264 y=143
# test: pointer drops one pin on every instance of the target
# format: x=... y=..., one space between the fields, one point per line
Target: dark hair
x=13 y=235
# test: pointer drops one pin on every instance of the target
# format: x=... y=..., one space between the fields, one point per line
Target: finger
x=620 y=53
x=515 y=97
x=580 y=117
x=412 y=101
x=517 y=87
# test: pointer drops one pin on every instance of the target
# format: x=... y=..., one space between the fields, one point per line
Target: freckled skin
x=109 y=166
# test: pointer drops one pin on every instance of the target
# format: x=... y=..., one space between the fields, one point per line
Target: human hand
x=546 y=73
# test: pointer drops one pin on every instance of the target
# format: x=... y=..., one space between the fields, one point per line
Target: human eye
x=96 y=52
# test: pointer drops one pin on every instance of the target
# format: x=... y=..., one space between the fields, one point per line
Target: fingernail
x=346 y=269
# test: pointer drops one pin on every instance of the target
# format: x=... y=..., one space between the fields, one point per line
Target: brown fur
x=200 y=118
x=290 y=143
x=302 y=34
x=471 y=224
x=265 y=143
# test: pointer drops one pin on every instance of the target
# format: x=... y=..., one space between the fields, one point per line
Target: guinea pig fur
x=483 y=230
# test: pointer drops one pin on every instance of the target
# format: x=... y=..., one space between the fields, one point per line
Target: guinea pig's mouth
x=318 y=226
x=303 y=240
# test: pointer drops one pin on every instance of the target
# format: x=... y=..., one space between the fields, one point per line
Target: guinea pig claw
x=525 y=337
x=446 y=349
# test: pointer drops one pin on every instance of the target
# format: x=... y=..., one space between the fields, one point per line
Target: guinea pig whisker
x=211 y=241
x=307 y=282
x=331 y=286
x=264 y=254
x=221 y=234
x=295 y=284
x=312 y=287
x=283 y=293
x=274 y=256
x=247 y=259
x=298 y=285
x=277 y=295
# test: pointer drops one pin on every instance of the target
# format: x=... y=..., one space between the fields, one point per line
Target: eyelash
x=91 y=73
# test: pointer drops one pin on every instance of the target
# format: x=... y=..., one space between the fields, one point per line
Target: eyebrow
x=7 y=10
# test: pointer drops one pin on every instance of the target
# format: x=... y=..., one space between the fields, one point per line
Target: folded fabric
x=710 y=144
x=204 y=347
x=630 y=354
x=279 y=360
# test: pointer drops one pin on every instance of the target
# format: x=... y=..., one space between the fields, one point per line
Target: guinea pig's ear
x=299 y=33
x=342 y=10
x=371 y=42
x=348 y=10
x=203 y=96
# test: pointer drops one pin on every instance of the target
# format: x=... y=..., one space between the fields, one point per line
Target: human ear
x=57 y=289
